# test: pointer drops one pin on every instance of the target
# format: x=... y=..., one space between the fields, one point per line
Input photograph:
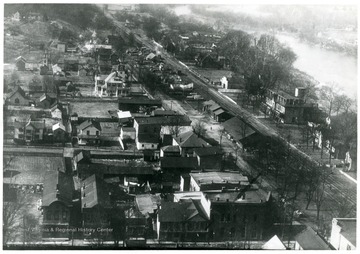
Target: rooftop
x=58 y=186
x=237 y=128
x=219 y=177
x=140 y=101
x=164 y=120
x=88 y=123
x=147 y=203
x=249 y=197
x=182 y=211
x=348 y=228
x=190 y=140
x=94 y=192
x=179 y=162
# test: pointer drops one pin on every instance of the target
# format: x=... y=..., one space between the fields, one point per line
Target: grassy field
x=93 y=109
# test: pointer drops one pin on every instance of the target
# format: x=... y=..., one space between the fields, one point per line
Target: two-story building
x=89 y=132
x=30 y=131
x=57 y=205
x=96 y=207
x=18 y=97
x=185 y=217
x=288 y=108
x=239 y=211
x=113 y=84
x=343 y=233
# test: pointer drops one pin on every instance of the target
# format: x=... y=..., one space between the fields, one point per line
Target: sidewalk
x=350 y=175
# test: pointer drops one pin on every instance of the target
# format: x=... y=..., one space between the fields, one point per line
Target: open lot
x=30 y=170
x=96 y=109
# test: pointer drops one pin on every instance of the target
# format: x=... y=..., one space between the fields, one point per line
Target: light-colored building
x=343 y=233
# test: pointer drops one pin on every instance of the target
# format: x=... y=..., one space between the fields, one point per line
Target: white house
x=343 y=233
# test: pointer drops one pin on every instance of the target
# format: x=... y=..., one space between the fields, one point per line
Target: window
x=232 y=232
x=228 y=217
x=190 y=226
x=88 y=133
x=17 y=101
x=142 y=145
x=254 y=234
x=152 y=146
x=243 y=231
x=56 y=216
x=97 y=133
x=222 y=217
x=64 y=214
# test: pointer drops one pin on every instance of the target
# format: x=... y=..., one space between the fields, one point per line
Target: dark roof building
x=58 y=186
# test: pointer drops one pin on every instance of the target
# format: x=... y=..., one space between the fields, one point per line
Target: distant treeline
x=81 y=15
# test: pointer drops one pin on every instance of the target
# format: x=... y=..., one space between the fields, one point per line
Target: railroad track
x=237 y=110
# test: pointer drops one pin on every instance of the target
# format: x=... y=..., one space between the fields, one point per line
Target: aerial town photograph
x=147 y=126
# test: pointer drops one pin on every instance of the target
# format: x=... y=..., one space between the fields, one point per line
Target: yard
x=30 y=170
x=96 y=109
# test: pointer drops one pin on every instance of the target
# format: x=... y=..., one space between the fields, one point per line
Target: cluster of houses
x=134 y=201
x=158 y=179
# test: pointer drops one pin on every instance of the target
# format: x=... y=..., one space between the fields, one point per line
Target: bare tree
x=175 y=127
x=328 y=94
x=321 y=186
x=199 y=128
x=12 y=212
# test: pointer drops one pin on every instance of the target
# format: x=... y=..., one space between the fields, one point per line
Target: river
x=322 y=64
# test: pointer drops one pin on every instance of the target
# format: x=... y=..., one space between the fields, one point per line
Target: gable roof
x=20 y=58
x=182 y=211
x=58 y=186
x=58 y=126
x=94 y=191
x=171 y=149
x=274 y=244
x=348 y=228
x=88 y=123
x=19 y=90
x=238 y=129
x=308 y=239
x=214 y=107
x=219 y=111
x=190 y=140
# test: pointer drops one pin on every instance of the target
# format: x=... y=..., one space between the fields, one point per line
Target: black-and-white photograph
x=179 y=126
